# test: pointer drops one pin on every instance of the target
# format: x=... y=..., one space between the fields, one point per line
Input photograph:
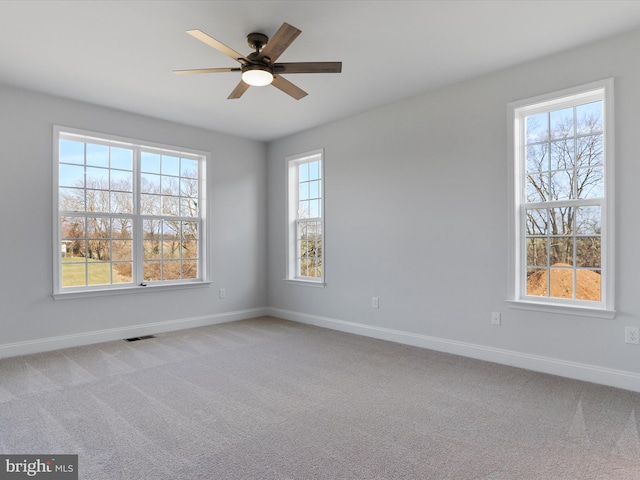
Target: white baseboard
x=553 y=366
x=87 y=338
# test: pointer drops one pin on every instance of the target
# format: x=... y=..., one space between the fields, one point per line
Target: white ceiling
x=122 y=53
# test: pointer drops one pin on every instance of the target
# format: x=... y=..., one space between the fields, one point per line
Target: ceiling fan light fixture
x=257 y=75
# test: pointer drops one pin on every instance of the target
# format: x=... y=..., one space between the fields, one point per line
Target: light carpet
x=272 y=399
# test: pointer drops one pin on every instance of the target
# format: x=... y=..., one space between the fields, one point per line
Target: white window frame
x=517 y=111
x=138 y=284
x=293 y=267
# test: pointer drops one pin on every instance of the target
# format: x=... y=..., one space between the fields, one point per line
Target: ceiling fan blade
x=287 y=87
x=284 y=37
x=239 y=90
x=221 y=47
x=206 y=70
x=308 y=67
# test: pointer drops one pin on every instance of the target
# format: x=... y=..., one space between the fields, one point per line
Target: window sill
x=305 y=283
x=103 y=292
x=561 y=309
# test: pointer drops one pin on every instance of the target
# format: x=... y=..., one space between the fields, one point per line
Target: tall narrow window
x=128 y=214
x=563 y=199
x=306 y=218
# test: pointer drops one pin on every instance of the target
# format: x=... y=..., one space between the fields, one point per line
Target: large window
x=306 y=218
x=128 y=214
x=563 y=198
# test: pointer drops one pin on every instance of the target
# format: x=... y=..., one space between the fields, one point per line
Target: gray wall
x=417 y=213
x=30 y=319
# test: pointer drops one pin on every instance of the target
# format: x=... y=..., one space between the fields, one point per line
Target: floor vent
x=135 y=339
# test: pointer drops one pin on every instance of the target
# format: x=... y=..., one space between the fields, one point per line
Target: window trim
x=515 y=113
x=60 y=292
x=291 y=163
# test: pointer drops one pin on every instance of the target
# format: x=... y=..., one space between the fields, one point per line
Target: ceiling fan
x=259 y=68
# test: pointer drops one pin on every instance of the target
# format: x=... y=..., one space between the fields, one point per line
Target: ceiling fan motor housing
x=257 y=41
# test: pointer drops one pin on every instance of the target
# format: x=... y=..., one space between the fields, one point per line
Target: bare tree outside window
x=564 y=186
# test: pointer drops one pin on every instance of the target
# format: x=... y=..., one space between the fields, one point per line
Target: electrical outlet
x=374 y=302
x=495 y=318
x=632 y=335
x=222 y=293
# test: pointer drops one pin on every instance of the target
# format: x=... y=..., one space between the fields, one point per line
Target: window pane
x=189 y=207
x=189 y=230
x=98 y=227
x=170 y=165
x=304 y=191
x=314 y=170
x=189 y=168
x=170 y=206
x=152 y=271
x=303 y=169
x=537 y=282
x=536 y=221
x=171 y=270
x=561 y=283
x=561 y=123
x=98 y=273
x=589 y=118
x=537 y=128
x=537 y=158
x=590 y=182
x=71 y=152
x=561 y=220
x=71 y=199
x=73 y=274
x=588 y=252
x=588 y=220
x=537 y=252
x=589 y=151
x=561 y=185
x=99 y=250
x=562 y=152
x=561 y=251
x=171 y=229
x=121 y=158
x=150 y=204
x=121 y=272
x=171 y=249
x=149 y=162
x=189 y=249
x=303 y=209
x=537 y=187
x=71 y=176
x=122 y=180
x=122 y=250
x=97 y=201
x=314 y=189
x=121 y=202
x=151 y=228
x=589 y=285
x=72 y=227
x=149 y=183
x=151 y=249
x=189 y=188
x=97 y=178
x=97 y=155
x=170 y=186
x=190 y=269
x=314 y=208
